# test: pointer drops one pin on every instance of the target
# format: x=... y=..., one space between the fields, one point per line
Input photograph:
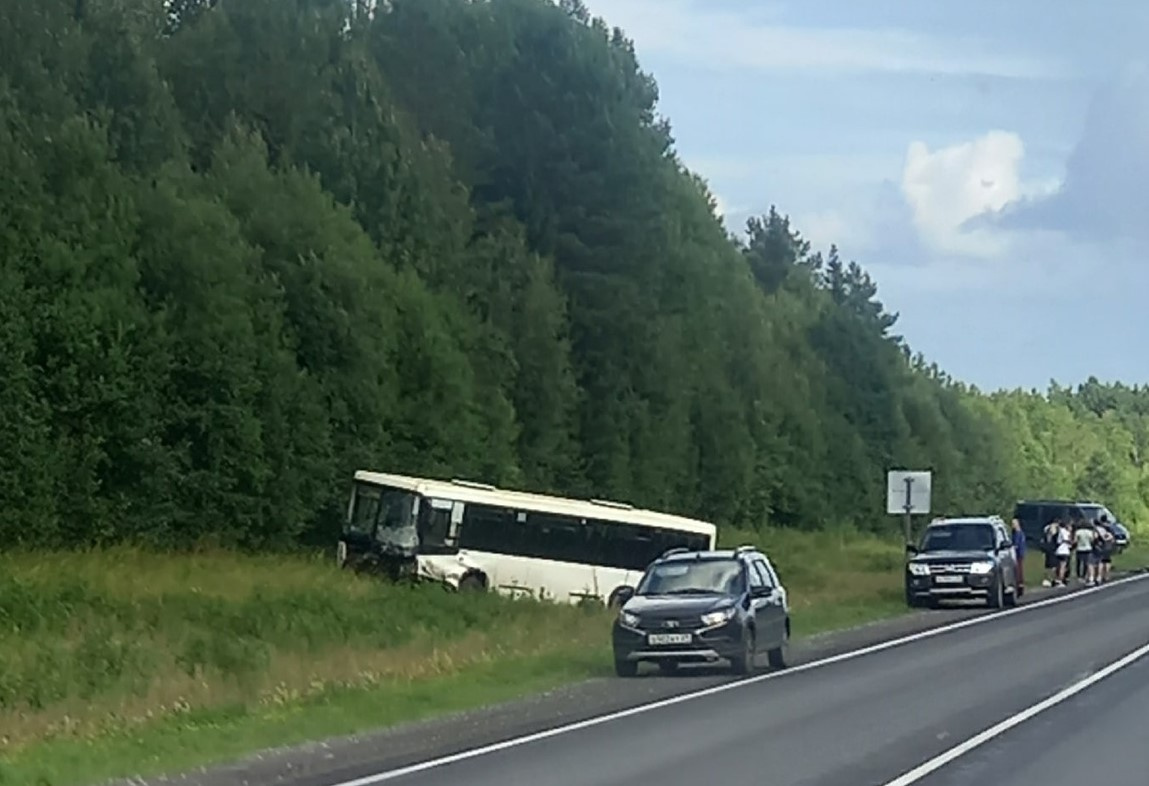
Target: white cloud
x=714 y=37
x=947 y=187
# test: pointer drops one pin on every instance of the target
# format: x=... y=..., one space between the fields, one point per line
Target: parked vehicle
x=704 y=607
x=961 y=559
x=473 y=536
x=1035 y=515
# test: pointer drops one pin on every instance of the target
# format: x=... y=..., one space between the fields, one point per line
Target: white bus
x=473 y=536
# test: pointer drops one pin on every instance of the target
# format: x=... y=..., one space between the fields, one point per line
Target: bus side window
x=560 y=538
x=488 y=528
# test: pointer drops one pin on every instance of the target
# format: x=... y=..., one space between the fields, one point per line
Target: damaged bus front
x=388 y=527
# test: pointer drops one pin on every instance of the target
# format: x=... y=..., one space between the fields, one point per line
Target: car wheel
x=743 y=662
x=995 y=599
x=625 y=668
x=1011 y=598
x=780 y=655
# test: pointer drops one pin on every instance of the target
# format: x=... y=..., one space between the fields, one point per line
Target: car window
x=771 y=572
x=958 y=537
x=693 y=577
x=757 y=580
x=762 y=576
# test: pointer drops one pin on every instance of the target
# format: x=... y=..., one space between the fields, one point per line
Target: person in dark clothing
x=1019 y=552
x=1106 y=540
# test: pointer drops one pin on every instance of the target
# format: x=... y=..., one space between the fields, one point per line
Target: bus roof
x=602 y=510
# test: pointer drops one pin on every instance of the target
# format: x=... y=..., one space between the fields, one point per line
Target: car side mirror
x=621 y=595
x=911 y=549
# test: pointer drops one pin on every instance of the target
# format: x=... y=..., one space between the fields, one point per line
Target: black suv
x=963 y=558
x=703 y=607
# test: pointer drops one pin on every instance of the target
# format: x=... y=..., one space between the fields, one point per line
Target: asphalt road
x=868 y=720
x=1098 y=736
x=856 y=720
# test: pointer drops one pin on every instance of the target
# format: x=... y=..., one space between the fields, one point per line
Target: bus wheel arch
x=473 y=581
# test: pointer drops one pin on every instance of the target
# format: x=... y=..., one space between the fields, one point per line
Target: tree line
x=249 y=246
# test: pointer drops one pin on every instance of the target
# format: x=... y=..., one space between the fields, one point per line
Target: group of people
x=1092 y=542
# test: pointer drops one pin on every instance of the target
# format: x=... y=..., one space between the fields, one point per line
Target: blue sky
x=987 y=162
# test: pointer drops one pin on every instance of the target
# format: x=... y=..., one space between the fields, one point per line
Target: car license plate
x=668 y=638
x=949 y=579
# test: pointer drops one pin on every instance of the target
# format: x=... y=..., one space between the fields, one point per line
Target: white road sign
x=899 y=484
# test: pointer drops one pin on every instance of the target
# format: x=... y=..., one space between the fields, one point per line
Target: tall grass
x=834 y=578
x=99 y=640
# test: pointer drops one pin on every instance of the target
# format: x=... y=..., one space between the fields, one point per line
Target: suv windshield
x=693 y=577
x=958 y=537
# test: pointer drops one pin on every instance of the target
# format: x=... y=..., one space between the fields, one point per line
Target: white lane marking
x=926 y=768
x=527 y=739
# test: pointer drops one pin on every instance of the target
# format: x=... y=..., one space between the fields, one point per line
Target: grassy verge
x=124 y=662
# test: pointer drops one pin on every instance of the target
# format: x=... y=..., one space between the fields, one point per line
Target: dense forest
x=249 y=246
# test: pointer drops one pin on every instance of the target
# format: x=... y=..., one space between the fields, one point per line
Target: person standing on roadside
x=1106 y=541
x=1049 y=548
x=1019 y=553
x=1063 y=551
x=1084 y=537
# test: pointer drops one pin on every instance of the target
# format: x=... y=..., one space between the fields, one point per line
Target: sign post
x=907 y=493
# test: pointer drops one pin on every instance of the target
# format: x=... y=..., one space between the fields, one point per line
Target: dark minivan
x=1035 y=515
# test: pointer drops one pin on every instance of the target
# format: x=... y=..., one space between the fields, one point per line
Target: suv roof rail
x=472 y=484
x=745 y=547
x=675 y=550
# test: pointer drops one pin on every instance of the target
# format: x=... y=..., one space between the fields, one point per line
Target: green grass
x=835 y=579
x=127 y=662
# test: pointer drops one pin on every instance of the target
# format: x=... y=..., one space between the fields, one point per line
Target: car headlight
x=628 y=619
x=919 y=569
x=981 y=568
x=717 y=617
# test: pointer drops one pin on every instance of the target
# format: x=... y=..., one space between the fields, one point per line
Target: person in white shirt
x=1084 y=536
x=1063 y=552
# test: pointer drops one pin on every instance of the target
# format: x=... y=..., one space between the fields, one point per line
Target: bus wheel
x=472 y=582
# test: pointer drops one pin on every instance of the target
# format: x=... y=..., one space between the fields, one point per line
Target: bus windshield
x=387 y=515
